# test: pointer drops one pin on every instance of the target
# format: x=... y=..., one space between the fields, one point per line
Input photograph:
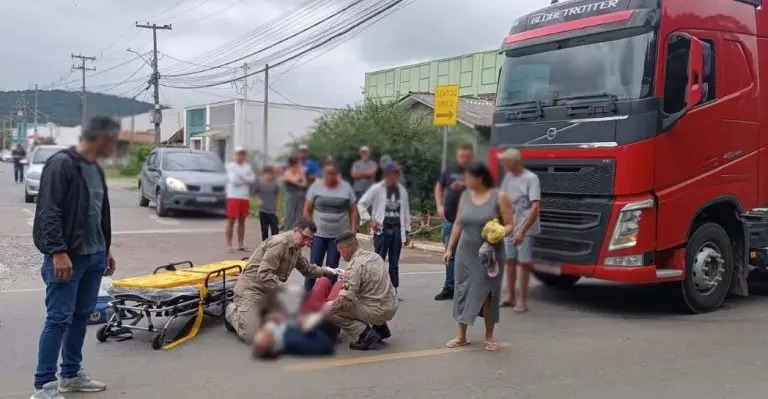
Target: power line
x=322 y=43
x=213 y=14
x=157 y=116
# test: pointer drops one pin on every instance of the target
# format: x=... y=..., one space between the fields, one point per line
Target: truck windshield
x=622 y=67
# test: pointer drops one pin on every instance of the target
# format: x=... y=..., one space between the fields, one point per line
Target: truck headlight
x=627 y=227
x=175 y=184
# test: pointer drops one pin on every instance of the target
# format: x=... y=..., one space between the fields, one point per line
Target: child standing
x=267 y=193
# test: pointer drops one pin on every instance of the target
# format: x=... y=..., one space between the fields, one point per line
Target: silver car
x=5 y=156
x=35 y=163
x=183 y=179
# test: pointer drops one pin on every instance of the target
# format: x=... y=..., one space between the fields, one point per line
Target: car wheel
x=28 y=198
x=143 y=201
x=159 y=207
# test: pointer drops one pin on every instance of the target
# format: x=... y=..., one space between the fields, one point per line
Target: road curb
x=424 y=246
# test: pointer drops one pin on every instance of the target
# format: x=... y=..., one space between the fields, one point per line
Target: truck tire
x=708 y=268
x=553 y=281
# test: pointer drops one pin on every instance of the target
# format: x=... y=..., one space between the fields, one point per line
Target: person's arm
x=439 y=194
x=312 y=271
x=354 y=217
x=356 y=171
x=248 y=177
x=507 y=212
x=309 y=205
x=534 y=196
x=455 y=231
x=348 y=293
x=270 y=264
x=365 y=202
x=405 y=209
x=232 y=176
x=48 y=226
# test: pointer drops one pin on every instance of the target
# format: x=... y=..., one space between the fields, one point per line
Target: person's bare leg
x=490 y=341
x=461 y=337
x=228 y=233
x=509 y=299
x=241 y=233
x=525 y=278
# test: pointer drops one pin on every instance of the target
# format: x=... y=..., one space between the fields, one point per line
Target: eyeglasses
x=306 y=237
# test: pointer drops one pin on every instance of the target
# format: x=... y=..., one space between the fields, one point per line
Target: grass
x=114 y=174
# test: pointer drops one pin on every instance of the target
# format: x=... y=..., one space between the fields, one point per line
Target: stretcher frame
x=128 y=312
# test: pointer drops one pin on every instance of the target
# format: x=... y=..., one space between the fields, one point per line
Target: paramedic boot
x=82 y=382
x=383 y=331
x=367 y=339
x=49 y=391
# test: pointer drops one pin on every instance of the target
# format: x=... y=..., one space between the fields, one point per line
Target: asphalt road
x=593 y=341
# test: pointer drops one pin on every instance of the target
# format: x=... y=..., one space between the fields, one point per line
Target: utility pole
x=244 y=111
x=157 y=115
x=265 y=144
x=36 y=112
x=82 y=68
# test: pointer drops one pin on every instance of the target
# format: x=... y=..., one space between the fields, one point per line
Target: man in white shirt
x=390 y=218
x=241 y=177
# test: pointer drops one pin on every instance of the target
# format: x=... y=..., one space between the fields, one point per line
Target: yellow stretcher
x=171 y=291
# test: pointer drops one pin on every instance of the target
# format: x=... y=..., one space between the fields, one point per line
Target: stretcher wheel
x=102 y=334
x=157 y=341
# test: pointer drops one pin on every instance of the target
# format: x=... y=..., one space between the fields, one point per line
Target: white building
x=222 y=126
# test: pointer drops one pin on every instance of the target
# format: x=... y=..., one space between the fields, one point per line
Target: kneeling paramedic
x=257 y=288
x=367 y=298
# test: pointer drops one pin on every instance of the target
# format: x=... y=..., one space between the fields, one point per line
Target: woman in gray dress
x=295 y=181
x=476 y=294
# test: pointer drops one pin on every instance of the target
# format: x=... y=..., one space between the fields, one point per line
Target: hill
x=63 y=107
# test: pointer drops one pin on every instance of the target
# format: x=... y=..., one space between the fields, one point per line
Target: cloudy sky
x=42 y=34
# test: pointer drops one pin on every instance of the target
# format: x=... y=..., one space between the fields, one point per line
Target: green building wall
x=477 y=74
x=195 y=123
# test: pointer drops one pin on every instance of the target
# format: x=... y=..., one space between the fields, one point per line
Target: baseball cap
x=510 y=154
x=390 y=167
x=240 y=149
x=303 y=147
x=365 y=149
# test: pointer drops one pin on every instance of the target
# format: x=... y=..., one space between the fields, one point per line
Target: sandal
x=244 y=249
x=455 y=343
x=491 y=346
x=520 y=309
x=506 y=303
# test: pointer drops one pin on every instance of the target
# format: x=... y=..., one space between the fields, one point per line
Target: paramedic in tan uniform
x=270 y=265
x=367 y=298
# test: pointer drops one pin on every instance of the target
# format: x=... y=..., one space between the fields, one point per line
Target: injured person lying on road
x=306 y=335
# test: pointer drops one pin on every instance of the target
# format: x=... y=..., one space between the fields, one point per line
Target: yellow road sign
x=446 y=105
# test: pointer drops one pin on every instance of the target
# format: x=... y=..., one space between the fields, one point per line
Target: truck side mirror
x=695 y=88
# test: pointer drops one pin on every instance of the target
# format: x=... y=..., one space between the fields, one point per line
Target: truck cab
x=642 y=119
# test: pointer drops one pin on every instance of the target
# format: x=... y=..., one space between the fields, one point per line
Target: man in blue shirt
x=313 y=170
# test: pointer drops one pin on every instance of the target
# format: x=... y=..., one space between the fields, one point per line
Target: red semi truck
x=643 y=121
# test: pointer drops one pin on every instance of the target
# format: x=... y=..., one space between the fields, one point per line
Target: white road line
x=168 y=222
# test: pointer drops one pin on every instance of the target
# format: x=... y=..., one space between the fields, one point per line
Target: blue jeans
x=389 y=243
x=447 y=228
x=323 y=248
x=68 y=305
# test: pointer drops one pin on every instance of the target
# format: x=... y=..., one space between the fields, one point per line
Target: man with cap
x=240 y=178
x=363 y=172
x=523 y=188
x=311 y=167
x=389 y=218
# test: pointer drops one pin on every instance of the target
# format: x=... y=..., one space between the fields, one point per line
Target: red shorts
x=238 y=208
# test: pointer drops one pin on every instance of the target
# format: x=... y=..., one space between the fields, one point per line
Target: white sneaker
x=49 y=391
x=82 y=382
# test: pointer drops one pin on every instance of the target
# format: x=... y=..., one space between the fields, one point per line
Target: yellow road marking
x=354 y=361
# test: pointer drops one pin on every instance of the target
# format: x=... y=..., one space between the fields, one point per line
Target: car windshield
x=193 y=161
x=42 y=154
x=621 y=67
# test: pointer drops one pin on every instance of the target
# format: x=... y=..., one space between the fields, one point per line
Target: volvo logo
x=551 y=133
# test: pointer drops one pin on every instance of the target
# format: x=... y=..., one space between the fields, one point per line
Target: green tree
x=388 y=128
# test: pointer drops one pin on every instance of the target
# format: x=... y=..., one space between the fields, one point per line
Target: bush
x=409 y=138
x=139 y=155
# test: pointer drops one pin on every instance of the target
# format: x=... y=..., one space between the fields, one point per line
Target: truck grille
x=574 y=176
x=572 y=228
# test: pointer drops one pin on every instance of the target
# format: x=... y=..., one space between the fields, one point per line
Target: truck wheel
x=708 y=268
x=553 y=281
